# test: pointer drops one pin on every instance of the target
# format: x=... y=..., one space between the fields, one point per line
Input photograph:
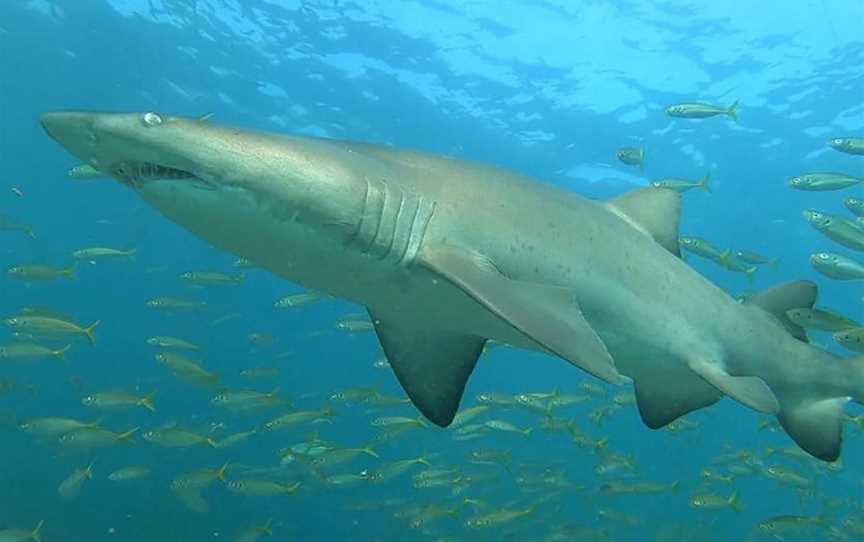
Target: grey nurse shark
x=446 y=254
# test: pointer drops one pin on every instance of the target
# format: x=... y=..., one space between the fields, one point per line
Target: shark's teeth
x=138 y=172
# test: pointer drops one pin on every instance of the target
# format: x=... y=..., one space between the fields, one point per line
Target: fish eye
x=151 y=119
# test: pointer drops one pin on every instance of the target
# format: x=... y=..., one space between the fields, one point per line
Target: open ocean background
x=547 y=88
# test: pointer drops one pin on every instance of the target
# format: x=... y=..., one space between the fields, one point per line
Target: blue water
x=544 y=88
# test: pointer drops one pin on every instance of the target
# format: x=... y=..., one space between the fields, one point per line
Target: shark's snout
x=65 y=125
x=73 y=130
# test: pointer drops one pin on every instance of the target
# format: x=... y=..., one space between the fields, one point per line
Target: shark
x=446 y=254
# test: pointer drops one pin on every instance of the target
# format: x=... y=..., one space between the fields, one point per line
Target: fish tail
x=30 y=233
x=88 y=331
x=220 y=474
x=96 y=423
x=147 y=402
x=704 y=184
x=601 y=445
x=732 y=111
x=676 y=487
x=212 y=443
x=69 y=272
x=35 y=535
x=268 y=527
x=527 y=432
x=61 y=352
x=735 y=502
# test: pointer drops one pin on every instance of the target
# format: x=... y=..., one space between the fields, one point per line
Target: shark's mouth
x=138 y=173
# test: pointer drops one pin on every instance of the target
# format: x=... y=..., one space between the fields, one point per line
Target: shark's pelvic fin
x=432 y=365
x=548 y=315
x=664 y=398
x=655 y=211
x=816 y=426
x=749 y=390
x=779 y=299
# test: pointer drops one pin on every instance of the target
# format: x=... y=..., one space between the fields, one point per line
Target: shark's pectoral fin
x=432 y=365
x=663 y=398
x=548 y=315
x=816 y=426
x=749 y=390
x=779 y=299
x=656 y=211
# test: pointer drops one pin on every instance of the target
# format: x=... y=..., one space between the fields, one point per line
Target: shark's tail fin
x=814 y=423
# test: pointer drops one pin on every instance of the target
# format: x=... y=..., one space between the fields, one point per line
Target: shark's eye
x=151 y=119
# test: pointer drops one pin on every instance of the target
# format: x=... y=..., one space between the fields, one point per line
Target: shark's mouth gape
x=138 y=173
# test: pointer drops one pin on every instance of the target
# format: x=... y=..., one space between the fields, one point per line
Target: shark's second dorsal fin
x=656 y=211
x=776 y=301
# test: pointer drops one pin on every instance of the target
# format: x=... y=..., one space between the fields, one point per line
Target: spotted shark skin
x=446 y=254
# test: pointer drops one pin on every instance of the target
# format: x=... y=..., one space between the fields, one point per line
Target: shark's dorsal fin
x=816 y=426
x=548 y=315
x=663 y=398
x=432 y=364
x=656 y=211
x=779 y=299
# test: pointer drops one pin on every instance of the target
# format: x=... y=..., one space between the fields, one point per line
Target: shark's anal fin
x=749 y=390
x=548 y=315
x=432 y=365
x=656 y=211
x=779 y=299
x=662 y=399
x=816 y=426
